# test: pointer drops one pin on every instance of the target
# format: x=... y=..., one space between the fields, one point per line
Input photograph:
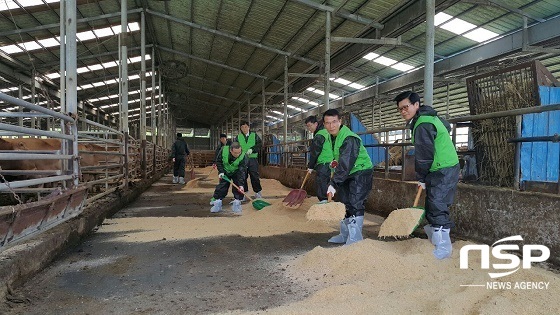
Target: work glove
x=333 y=164
x=249 y=151
x=214 y=166
x=423 y=185
x=173 y=160
x=331 y=190
x=309 y=170
x=221 y=175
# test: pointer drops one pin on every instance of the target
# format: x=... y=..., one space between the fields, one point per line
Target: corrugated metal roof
x=229 y=45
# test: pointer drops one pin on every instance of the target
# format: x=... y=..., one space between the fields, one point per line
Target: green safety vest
x=230 y=167
x=247 y=144
x=363 y=162
x=445 y=154
x=326 y=155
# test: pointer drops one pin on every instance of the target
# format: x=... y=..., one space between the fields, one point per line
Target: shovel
x=297 y=196
x=257 y=203
x=402 y=222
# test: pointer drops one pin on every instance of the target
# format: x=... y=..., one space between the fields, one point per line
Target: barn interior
x=93 y=93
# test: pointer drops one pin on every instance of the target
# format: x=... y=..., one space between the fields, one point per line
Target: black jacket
x=239 y=174
x=424 y=138
x=349 y=151
x=179 y=148
x=316 y=147
x=219 y=149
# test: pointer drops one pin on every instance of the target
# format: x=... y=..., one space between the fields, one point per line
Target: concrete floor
x=200 y=276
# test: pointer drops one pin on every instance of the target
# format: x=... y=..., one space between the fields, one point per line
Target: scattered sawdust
x=368 y=277
x=401 y=222
x=331 y=211
x=193 y=183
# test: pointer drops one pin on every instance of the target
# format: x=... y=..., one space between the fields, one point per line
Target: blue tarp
x=376 y=154
x=539 y=160
x=274 y=159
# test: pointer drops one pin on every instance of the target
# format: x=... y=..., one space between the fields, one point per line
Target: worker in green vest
x=251 y=144
x=437 y=167
x=352 y=179
x=232 y=163
x=320 y=156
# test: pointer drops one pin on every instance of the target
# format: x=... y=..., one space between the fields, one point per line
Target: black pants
x=179 y=166
x=440 y=192
x=222 y=188
x=322 y=180
x=253 y=172
x=354 y=191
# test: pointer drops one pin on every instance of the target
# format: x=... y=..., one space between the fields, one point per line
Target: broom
x=402 y=222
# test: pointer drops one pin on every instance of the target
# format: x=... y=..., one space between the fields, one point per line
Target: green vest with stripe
x=249 y=143
x=445 y=154
x=363 y=162
x=326 y=155
x=230 y=167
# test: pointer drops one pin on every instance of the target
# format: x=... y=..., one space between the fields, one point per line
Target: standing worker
x=233 y=164
x=320 y=156
x=437 y=167
x=179 y=152
x=251 y=144
x=352 y=179
x=223 y=142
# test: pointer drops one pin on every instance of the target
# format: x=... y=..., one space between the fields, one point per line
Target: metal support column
x=285 y=111
x=153 y=98
x=71 y=82
x=143 y=91
x=327 y=59
x=429 y=62
x=123 y=84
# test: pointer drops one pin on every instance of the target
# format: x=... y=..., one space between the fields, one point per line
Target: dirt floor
x=167 y=254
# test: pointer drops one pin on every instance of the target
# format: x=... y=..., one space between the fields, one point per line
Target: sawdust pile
x=369 y=277
x=332 y=211
x=401 y=222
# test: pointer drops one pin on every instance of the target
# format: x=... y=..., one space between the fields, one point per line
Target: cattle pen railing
x=49 y=171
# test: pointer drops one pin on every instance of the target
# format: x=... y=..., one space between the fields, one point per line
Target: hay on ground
x=401 y=222
x=331 y=211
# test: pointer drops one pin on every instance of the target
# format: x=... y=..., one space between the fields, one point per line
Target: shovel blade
x=296 y=200
x=259 y=204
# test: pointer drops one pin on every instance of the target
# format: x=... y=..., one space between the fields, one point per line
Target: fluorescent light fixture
x=385 y=61
x=402 y=67
x=480 y=35
x=370 y=56
x=441 y=18
x=458 y=26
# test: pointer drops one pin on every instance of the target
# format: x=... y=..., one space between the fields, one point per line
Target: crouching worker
x=231 y=163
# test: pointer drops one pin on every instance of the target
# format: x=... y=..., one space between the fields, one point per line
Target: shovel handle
x=237 y=187
x=304 y=180
x=417 y=199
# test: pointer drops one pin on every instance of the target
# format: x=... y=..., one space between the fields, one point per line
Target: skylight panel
x=370 y=56
x=402 y=67
x=480 y=35
x=31 y=45
x=83 y=36
x=385 y=61
x=441 y=18
x=10 y=4
x=356 y=86
x=342 y=81
x=54 y=41
x=458 y=26
x=320 y=92
x=95 y=67
x=277 y=113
